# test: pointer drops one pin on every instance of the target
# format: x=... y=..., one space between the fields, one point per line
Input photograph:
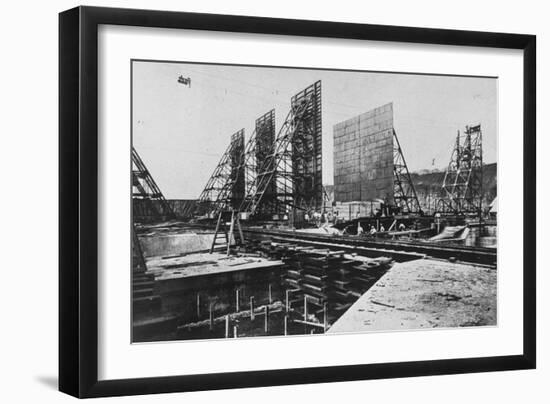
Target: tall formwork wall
x=237 y=175
x=265 y=147
x=307 y=150
x=363 y=157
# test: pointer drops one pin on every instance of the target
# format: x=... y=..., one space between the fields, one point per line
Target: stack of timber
x=321 y=281
x=143 y=298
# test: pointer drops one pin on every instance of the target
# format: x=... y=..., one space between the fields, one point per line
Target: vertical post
x=227 y=326
x=286 y=325
x=210 y=317
x=237 y=292
x=235 y=331
x=480 y=181
x=216 y=233
x=269 y=294
x=305 y=307
x=266 y=320
x=198 y=305
x=457 y=148
x=325 y=317
x=287 y=302
x=240 y=229
x=251 y=308
x=231 y=228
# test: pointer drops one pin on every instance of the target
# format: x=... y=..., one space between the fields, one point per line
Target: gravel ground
x=425 y=293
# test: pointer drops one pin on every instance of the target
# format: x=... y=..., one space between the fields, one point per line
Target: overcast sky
x=181 y=132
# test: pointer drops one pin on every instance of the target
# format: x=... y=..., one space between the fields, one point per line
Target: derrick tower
x=462 y=184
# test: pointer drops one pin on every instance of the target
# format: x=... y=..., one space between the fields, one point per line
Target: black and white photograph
x=279 y=201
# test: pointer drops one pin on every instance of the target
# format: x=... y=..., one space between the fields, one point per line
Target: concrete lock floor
x=425 y=293
x=195 y=286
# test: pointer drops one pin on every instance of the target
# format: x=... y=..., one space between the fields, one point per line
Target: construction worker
x=317 y=218
x=402 y=227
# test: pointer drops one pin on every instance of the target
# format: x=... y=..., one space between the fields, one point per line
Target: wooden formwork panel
x=363 y=156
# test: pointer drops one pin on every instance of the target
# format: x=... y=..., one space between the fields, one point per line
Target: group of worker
x=372 y=229
x=318 y=218
x=322 y=219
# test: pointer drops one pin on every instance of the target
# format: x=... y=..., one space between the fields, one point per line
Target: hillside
x=428 y=186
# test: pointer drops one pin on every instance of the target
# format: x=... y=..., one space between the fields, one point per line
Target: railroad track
x=398 y=250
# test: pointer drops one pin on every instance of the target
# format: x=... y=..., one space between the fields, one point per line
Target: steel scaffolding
x=306 y=148
x=404 y=194
x=288 y=175
x=261 y=147
x=463 y=180
x=148 y=201
x=225 y=189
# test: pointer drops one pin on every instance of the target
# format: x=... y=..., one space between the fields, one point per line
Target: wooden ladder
x=221 y=226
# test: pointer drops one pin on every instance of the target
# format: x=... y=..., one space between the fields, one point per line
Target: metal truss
x=277 y=169
x=463 y=180
x=225 y=189
x=148 y=201
x=260 y=147
x=404 y=194
x=306 y=157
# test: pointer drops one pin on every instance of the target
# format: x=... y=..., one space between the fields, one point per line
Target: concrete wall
x=363 y=156
x=180 y=295
x=172 y=244
x=148 y=211
x=183 y=208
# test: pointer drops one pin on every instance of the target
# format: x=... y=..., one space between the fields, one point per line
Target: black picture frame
x=78 y=193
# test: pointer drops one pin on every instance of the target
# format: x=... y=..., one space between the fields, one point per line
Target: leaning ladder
x=221 y=226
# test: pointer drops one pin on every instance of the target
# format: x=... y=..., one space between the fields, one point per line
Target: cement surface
x=425 y=293
x=200 y=264
x=172 y=238
x=171 y=244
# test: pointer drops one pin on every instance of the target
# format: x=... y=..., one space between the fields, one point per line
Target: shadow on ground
x=48 y=381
